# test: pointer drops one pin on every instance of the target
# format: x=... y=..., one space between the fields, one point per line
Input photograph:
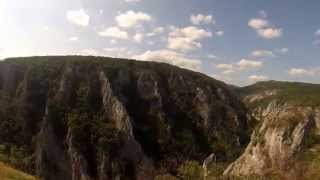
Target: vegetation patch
x=8 y=173
x=300 y=94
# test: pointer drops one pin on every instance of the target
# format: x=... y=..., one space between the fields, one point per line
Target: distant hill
x=284 y=92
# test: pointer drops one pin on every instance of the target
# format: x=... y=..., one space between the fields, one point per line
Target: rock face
x=84 y=118
x=284 y=131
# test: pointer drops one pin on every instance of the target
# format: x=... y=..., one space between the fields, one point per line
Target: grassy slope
x=8 y=173
x=287 y=92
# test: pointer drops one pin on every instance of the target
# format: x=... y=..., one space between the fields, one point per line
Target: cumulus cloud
x=109 y=52
x=113 y=41
x=186 y=38
x=284 y=50
x=219 y=33
x=270 y=33
x=258 y=23
x=264 y=28
x=212 y=56
x=132 y=1
x=138 y=37
x=248 y=64
x=256 y=78
x=202 y=19
x=90 y=52
x=181 y=43
x=304 y=72
x=190 y=32
x=226 y=68
x=171 y=57
x=131 y=19
x=262 y=53
x=115 y=49
x=156 y=31
x=78 y=17
x=114 y=32
x=119 y=52
x=243 y=64
x=74 y=38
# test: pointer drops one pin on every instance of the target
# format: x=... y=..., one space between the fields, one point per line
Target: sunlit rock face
x=286 y=130
x=86 y=118
x=276 y=142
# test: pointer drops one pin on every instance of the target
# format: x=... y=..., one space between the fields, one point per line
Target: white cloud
x=249 y=64
x=155 y=31
x=45 y=28
x=186 y=38
x=262 y=53
x=138 y=37
x=90 y=52
x=115 y=49
x=270 y=33
x=171 y=57
x=226 y=68
x=264 y=28
x=109 y=52
x=78 y=17
x=158 y=29
x=113 y=41
x=212 y=56
x=256 y=78
x=317 y=33
x=132 y=0
x=219 y=33
x=229 y=71
x=180 y=43
x=201 y=19
x=74 y=38
x=283 y=50
x=117 y=52
x=243 y=64
x=303 y=72
x=257 y=23
x=150 y=43
x=131 y=19
x=190 y=32
x=114 y=32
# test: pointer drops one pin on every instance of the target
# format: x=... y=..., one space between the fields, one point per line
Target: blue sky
x=237 y=41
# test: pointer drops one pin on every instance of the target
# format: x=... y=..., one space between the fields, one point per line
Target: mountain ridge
x=102 y=118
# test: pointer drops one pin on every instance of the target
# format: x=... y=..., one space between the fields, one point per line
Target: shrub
x=190 y=170
x=165 y=177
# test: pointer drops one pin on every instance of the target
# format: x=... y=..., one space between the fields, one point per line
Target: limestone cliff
x=84 y=118
x=288 y=115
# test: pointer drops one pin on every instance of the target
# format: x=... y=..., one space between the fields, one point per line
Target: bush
x=165 y=177
x=190 y=170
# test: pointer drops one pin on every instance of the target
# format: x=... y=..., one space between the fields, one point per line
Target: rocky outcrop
x=281 y=136
x=85 y=118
